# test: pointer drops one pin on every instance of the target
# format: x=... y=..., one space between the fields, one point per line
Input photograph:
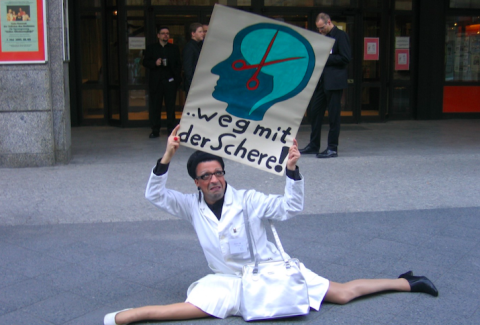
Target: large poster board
x=23 y=33
x=251 y=87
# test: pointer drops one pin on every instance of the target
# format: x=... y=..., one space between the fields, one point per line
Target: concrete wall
x=35 y=105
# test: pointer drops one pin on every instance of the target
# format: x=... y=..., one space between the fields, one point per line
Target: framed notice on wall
x=23 y=32
x=371 y=48
x=402 y=59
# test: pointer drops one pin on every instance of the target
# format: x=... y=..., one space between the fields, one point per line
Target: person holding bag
x=230 y=227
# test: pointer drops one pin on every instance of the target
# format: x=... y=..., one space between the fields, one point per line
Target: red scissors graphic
x=253 y=82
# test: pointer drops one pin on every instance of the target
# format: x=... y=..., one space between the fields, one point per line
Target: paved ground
x=78 y=241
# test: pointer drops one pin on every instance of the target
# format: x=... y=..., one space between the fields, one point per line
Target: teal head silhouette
x=269 y=63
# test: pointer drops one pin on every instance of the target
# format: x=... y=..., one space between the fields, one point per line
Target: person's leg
x=316 y=113
x=342 y=293
x=183 y=310
x=155 y=103
x=334 y=98
x=170 y=98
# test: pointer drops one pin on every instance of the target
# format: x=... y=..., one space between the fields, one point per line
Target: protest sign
x=253 y=81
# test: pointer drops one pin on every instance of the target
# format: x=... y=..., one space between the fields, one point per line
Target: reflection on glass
x=462 y=49
x=347 y=102
x=91 y=3
x=296 y=20
x=371 y=28
x=311 y=3
x=403 y=4
x=401 y=100
x=137 y=105
x=91 y=49
x=114 y=104
x=232 y=3
x=113 y=71
x=464 y=4
x=136 y=44
x=370 y=101
x=373 y=3
x=403 y=34
x=92 y=104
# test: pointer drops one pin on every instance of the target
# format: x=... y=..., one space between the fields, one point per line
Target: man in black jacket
x=329 y=91
x=191 y=52
x=163 y=62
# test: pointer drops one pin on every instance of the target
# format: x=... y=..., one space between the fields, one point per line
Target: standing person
x=9 y=15
x=205 y=30
x=162 y=59
x=329 y=91
x=191 y=52
x=216 y=214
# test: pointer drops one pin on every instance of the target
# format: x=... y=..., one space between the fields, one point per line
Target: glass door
x=349 y=111
x=178 y=21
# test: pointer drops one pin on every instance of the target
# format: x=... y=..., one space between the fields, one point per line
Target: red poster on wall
x=371 y=48
x=402 y=59
x=23 y=33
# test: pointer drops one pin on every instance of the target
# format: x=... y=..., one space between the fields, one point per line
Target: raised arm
x=293 y=155
x=173 y=143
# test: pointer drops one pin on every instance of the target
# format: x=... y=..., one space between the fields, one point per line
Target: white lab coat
x=216 y=238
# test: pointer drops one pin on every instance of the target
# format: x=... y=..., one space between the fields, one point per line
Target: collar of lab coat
x=229 y=194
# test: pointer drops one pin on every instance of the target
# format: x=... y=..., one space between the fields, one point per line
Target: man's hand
x=173 y=143
x=158 y=62
x=293 y=155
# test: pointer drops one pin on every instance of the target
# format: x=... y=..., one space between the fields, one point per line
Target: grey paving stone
x=345 y=239
x=109 y=262
x=106 y=289
x=154 y=252
x=61 y=308
x=10 y=276
x=26 y=293
x=36 y=265
x=462 y=283
x=70 y=276
x=12 y=253
x=450 y=245
x=336 y=317
x=387 y=248
x=378 y=308
x=402 y=195
x=366 y=260
x=446 y=307
x=21 y=317
x=75 y=252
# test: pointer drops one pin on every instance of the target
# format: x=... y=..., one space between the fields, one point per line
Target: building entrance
x=111 y=85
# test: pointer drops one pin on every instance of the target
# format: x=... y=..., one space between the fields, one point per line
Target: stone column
x=35 y=104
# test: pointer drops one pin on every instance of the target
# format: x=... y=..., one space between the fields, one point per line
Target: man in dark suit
x=329 y=91
x=163 y=62
x=191 y=53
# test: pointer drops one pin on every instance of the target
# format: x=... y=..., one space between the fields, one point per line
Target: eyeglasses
x=208 y=176
x=321 y=28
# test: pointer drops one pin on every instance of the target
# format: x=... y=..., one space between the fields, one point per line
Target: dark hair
x=198 y=157
x=323 y=16
x=162 y=27
x=194 y=27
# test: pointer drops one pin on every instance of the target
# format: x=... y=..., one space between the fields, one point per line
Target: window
x=462 y=49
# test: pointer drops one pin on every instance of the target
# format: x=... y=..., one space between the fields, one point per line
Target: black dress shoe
x=327 y=154
x=154 y=135
x=309 y=150
x=419 y=283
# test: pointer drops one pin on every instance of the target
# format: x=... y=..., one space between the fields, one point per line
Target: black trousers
x=321 y=100
x=167 y=92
